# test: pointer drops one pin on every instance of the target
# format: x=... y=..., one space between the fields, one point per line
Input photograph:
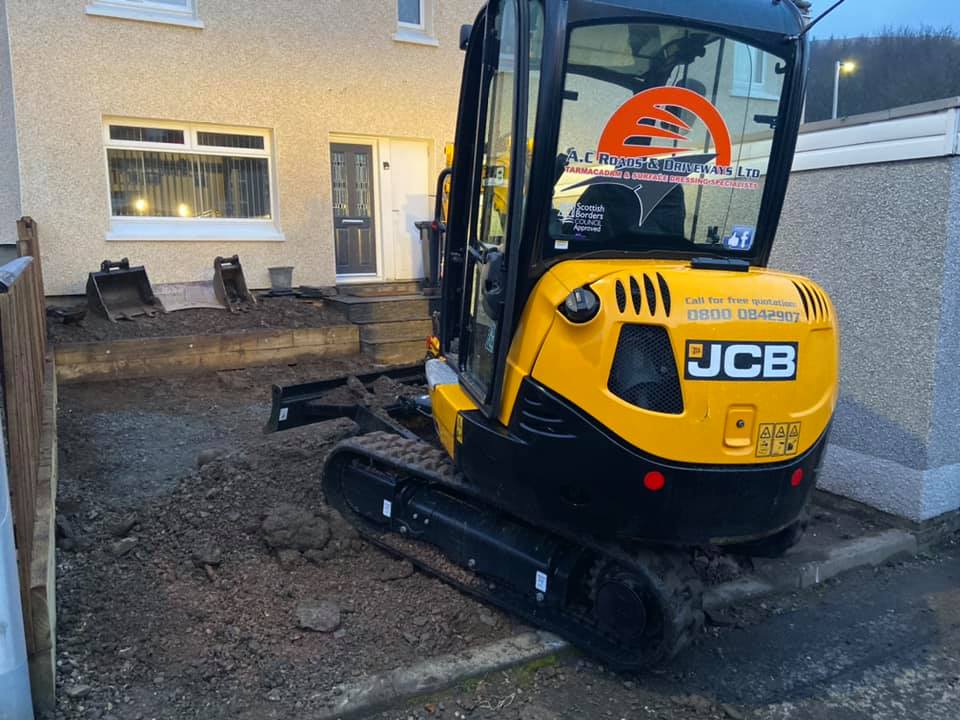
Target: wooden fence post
x=28 y=245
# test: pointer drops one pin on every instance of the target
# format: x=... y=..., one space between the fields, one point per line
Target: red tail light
x=654 y=481
x=797 y=477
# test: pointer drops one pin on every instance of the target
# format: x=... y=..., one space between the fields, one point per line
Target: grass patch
x=470 y=685
x=524 y=673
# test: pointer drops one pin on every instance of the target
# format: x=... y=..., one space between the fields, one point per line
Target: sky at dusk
x=869 y=17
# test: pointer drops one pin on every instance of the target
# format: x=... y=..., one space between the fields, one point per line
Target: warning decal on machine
x=778 y=439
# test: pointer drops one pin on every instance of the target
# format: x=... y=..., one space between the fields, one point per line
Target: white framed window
x=750 y=67
x=410 y=14
x=171 y=12
x=182 y=181
x=415 y=22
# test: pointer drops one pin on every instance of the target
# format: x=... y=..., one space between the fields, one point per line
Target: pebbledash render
x=173 y=131
x=873 y=213
x=179 y=88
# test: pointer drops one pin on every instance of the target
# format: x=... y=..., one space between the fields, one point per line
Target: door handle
x=482 y=253
x=352 y=222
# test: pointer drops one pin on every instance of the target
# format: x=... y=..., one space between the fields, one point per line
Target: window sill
x=125 y=13
x=752 y=93
x=174 y=230
x=415 y=37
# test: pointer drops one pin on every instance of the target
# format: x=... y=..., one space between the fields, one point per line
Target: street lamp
x=845 y=66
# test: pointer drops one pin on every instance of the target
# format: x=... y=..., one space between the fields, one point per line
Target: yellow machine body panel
x=734 y=315
x=539 y=315
x=448 y=401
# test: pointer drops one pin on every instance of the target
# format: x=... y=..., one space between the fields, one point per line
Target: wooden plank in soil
x=43 y=603
x=162 y=347
x=394 y=311
x=395 y=353
x=405 y=330
x=151 y=357
x=400 y=287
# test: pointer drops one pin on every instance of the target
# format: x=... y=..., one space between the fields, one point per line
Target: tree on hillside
x=900 y=67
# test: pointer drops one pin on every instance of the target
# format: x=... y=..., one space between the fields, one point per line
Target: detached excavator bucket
x=121 y=292
x=229 y=285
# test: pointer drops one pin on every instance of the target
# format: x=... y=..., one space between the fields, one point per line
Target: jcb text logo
x=708 y=360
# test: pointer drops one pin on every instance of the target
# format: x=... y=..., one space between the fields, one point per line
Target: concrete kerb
x=380 y=691
x=869 y=550
x=384 y=690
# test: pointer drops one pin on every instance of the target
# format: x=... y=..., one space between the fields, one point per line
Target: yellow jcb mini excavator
x=621 y=378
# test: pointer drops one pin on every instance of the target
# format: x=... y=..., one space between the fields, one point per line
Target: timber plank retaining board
x=43 y=605
x=402 y=331
x=380 y=309
x=151 y=357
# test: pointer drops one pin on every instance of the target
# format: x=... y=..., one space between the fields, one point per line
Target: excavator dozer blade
x=229 y=284
x=121 y=292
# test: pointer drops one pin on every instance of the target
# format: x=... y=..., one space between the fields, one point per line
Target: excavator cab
x=621 y=379
x=629 y=131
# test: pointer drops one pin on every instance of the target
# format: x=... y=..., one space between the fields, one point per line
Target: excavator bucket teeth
x=229 y=284
x=121 y=292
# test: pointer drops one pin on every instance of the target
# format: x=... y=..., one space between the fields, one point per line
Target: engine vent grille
x=644 y=371
x=664 y=293
x=621 y=296
x=816 y=307
x=643 y=294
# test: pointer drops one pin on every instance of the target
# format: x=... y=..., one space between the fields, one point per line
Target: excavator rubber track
x=629 y=606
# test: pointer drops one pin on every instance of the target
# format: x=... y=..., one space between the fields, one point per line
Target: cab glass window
x=664 y=143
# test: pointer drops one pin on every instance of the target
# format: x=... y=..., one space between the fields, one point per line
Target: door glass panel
x=363 y=185
x=493 y=195
x=353 y=209
x=339 y=185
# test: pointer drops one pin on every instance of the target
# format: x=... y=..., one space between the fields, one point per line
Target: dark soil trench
x=172 y=604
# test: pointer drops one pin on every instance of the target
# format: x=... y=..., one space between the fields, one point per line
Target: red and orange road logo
x=631 y=124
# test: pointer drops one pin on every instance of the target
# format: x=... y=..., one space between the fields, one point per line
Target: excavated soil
x=269 y=313
x=171 y=603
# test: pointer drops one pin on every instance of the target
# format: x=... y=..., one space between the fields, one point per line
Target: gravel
x=323 y=616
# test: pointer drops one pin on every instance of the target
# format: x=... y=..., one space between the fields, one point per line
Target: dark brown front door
x=355 y=243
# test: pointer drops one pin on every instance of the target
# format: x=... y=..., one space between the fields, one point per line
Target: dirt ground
x=171 y=603
x=268 y=313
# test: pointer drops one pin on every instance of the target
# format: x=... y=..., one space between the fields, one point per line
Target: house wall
x=9 y=170
x=305 y=70
x=884 y=240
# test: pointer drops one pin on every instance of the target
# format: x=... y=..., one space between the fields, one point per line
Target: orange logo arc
x=654 y=104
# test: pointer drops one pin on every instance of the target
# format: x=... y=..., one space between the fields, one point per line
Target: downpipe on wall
x=15 y=703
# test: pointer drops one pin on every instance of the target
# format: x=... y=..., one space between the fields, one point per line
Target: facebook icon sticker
x=740 y=238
